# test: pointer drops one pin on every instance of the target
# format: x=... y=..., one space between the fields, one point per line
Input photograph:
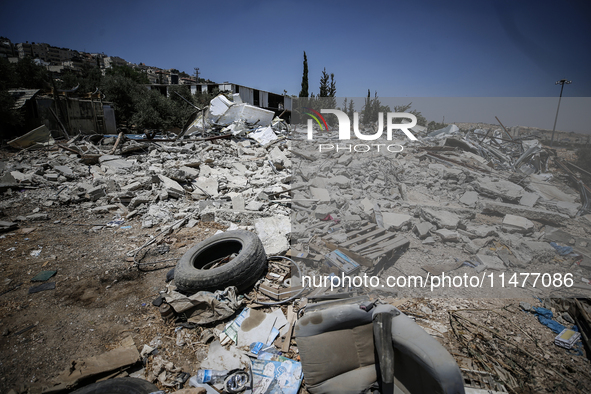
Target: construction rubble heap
x=91 y=227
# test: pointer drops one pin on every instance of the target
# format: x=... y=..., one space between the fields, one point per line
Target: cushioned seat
x=336 y=345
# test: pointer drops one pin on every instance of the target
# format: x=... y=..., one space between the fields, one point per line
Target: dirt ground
x=98 y=297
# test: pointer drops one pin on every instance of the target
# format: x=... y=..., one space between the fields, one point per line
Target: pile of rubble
x=453 y=202
x=217 y=178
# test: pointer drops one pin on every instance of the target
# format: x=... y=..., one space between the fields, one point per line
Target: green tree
x=304 y=91
x=30 y=75
x=129 y=72
x=153 y=111
x=124 y=93
x=324 y=86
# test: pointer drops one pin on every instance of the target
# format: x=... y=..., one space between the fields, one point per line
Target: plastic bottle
x=211 y=376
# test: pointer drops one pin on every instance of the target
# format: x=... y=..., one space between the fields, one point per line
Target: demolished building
x=454 y=202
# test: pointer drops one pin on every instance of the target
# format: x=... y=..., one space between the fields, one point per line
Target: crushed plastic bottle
x=211 y=376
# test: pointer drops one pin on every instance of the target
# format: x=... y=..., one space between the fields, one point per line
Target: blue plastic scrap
x=545 y=317
x=562 y=250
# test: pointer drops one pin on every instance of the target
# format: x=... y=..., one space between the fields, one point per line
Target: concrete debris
x=453 y=202
x=443 y=219
x=517 y=224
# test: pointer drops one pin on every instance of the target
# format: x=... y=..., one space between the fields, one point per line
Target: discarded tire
x=197 y=270
x=119 y=386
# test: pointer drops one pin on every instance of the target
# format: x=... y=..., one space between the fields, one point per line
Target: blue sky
x=398 y=48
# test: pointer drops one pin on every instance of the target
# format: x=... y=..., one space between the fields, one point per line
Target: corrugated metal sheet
x=22 y=95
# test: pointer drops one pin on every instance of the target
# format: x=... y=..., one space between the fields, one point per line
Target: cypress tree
x=304 y=91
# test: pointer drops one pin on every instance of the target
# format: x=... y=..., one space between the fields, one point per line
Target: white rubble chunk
x=321 y=194
x=172 y=187
x=490 y=262
x=517 y=224
x=263 y=135
x=529 y=199
x=469 y=198
x=340 y=181
x=568 y=208
x=499 y=188
x=247 y=113
x=209 y=185
x=273 y=232
x=448 y=235
x=443 y=219
x=237 y=201
x=394 y=220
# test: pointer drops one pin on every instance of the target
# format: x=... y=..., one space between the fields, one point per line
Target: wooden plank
x=363 y=237
x=397 y=243
x=291 y=318
x=372 y=242
x=351 y=233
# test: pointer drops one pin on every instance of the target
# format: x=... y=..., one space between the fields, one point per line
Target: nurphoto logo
x=345 y=130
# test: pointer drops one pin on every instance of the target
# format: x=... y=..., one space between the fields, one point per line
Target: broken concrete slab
x=237 y=201
x=172 y=187
x=37 y=216
x=395 y=221
x=568 y=208
x=205 y=187
x=247 y=113
x=443 y=219
x=279 y=159
x=490 y=262
x=469 y=198
x=447 y=235
x=82 y=369
x=541 y=215
x=529 y=199
x=34 y=139
x=323 y=210
x=422 y=229
x=65 y=171
x=273 y=233
x=550 y=192
x=517 y=224
x=499 y=188
x=339 y=181
x=320 y=194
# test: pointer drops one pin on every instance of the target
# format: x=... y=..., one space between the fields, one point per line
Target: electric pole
x=561 y=82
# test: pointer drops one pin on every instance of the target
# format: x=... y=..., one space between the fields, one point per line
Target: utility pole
x=196 y=78
x=561 y=82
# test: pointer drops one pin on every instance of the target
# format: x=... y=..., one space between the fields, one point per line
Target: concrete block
x=395 y=221
x=447 y=235
x=237 y=201
x=529 y=199
x=499 y=188
x=422 y=229
x=529 y=213
x=321 y=194
x=171 y=187
x=273 y=232
x=490 y=262
x=443 y=219
x=517 y=224
x=469 y=198
x=209 y=185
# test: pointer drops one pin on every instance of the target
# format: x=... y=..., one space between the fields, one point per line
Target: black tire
x=119 y=386
x=242 y=271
